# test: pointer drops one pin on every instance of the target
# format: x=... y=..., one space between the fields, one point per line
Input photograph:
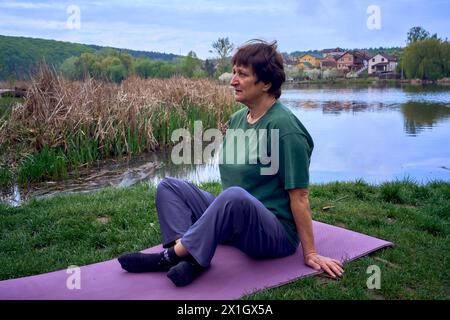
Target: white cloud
x=31 y=5
x=212 y=6
x=180 y=25
x=31 y=23
x=144 y=37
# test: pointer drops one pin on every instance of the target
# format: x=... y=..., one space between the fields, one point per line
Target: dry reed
x=60 y=113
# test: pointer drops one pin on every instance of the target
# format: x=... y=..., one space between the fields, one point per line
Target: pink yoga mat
x=231 y=276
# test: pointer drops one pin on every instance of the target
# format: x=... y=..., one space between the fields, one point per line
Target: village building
x=352 y=61
x=309 y=61
x=328 y=63
x=289 y=59
x=332 y=53
x=382 y=63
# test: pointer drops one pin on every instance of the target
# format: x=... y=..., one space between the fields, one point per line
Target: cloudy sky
x=178 y=26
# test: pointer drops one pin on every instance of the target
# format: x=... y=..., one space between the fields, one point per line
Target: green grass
x=6 y=104
x=6 y=176
x=51 y=234
x=47 y=164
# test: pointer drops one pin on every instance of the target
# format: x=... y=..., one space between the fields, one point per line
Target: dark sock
x=185 y=272
x=149 y=262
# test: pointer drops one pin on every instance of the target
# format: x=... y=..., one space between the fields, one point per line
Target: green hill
x=20 y=55
x=140 y=54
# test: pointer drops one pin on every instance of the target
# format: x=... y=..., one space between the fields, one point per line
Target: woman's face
x=246 y=90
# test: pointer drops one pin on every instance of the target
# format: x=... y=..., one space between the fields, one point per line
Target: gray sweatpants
x=203 y=221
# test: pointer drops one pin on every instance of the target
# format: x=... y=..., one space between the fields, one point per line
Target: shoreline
x=372 y=81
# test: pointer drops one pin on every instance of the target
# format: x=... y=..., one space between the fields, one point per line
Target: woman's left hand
x=331 y=266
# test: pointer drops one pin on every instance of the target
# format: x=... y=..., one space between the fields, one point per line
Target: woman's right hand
x=332 y=267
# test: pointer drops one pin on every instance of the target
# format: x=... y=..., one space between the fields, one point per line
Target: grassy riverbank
x=51 y=234
x=363 y=82
x=64 y=125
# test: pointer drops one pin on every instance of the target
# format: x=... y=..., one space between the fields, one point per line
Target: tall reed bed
x=77 y=122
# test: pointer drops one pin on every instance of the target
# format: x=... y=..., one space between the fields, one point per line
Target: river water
x=376 y=134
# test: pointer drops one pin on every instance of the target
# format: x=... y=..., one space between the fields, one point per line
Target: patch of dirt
x=323 y=278
x=102 y=220
x=388 y=263
x=342 y=225
x=411 y=290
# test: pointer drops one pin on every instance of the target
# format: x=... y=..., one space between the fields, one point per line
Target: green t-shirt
x=249 y=161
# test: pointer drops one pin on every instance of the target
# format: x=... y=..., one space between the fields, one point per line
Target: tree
x=167 y=70
x=330 y=74
x=418 y=34
x=112 y=69
x=294 y=72
x=190 y=64
x=110 y=65
x=208 y=66
x=69 y=69
x=85 y=62
x=147 y=68
x=199 y=73
x=223 y=48
x=313 y=74
x=427 y=59
x=127 y=61
x=143 y=68
x=116 y=72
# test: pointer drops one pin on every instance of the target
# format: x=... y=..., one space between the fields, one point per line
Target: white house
x=382 y=63
x=225 y=77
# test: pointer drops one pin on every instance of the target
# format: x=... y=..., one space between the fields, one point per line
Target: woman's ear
x=267 y=86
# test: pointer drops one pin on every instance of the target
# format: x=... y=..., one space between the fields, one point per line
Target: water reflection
x=375 y=134
x=337 y=107
x=196 y=173
x=386 y=95
x=417 y=115
x=108 y=173
x=421 y=116
x=150 y=168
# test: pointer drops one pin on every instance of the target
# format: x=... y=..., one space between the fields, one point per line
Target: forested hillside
x=20 y=55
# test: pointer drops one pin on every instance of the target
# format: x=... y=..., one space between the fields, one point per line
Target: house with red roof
x=352 y=61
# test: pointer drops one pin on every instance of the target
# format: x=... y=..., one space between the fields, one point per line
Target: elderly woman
x=264 y=214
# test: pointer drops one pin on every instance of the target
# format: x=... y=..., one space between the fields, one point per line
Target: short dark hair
x=266 y=62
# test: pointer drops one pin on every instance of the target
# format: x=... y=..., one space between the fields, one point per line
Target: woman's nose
x=233 y=80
